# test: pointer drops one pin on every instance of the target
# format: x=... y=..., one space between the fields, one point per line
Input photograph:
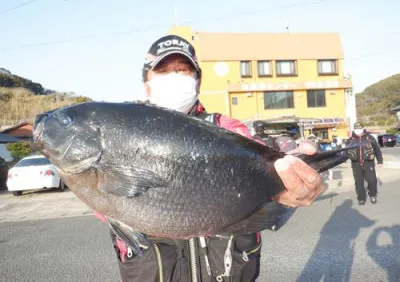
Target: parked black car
x=3 y=174
x=387 y=140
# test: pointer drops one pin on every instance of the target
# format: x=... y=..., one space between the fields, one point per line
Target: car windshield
x=32 y=162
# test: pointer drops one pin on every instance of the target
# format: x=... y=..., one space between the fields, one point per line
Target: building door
x=242 y=105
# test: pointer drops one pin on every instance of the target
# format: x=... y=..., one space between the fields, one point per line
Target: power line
x=373 y=53
x=131 y=31
x=17 y=7
x=379 y=40
x=294 y=5
x=83 y=37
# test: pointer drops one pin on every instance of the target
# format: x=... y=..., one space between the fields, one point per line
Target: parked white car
x=33 y=173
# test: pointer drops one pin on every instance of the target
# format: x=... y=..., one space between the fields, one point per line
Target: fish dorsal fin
x=322 y=161
x=128 y=182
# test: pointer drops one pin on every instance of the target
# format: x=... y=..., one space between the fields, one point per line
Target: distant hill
x=23 y=99
x=4 y=71
x=376 y=101
x=9 y=80
x=21 y=104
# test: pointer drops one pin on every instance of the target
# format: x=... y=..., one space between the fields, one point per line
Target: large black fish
x=161 y=172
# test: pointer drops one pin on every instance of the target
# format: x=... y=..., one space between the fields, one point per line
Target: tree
x=19 y=150
x=82 y=99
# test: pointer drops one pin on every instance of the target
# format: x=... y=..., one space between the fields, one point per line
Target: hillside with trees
x=374 y=104
x=23 y=99
x=9 y=80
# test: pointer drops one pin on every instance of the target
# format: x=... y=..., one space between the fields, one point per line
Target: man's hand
x=303 y=184
x=380 y=165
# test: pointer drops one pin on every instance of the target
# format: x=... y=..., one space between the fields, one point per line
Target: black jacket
x=267 y=140
x=366 y=148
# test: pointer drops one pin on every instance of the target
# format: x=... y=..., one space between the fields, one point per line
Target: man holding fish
x=172 y=78
x=184 y=193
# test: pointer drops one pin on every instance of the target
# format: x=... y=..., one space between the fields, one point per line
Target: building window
x=321 y=133
x=316 y=98
x=278 y=100
x=264 y=68
x=245 y=68
x=234 y=101
x=287 y=68
x=327 y=67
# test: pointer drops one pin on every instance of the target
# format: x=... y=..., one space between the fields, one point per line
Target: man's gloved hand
x=303 y=184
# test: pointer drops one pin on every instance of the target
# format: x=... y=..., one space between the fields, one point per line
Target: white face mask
x=358 y=131
x=173 y=91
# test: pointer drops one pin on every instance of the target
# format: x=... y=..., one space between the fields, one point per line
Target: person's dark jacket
x=366 y=149
x=267 y=140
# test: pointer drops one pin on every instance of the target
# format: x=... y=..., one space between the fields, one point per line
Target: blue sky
x=96 y=48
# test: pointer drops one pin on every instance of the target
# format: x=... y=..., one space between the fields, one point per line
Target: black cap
x=258 y=124
x=168 y=45
x=358 y=125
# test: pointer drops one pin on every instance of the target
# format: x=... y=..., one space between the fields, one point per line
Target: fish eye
x=65 y=121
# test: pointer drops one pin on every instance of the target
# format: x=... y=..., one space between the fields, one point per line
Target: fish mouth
x=37 y=144
x=38 y=128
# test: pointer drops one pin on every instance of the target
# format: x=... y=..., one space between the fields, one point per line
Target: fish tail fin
x=322 y=161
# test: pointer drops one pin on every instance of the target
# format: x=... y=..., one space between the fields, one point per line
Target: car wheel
x=61 y=187
x=17 y=193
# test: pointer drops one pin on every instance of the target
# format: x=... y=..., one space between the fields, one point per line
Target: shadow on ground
x=383 y=246
x=331 y=259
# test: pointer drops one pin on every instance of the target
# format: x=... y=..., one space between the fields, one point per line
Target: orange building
x=262 y=76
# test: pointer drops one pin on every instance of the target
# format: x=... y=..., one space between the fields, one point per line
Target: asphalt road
x=70 y=249
x=337 y=240
x=332 y=240
x=393 y=151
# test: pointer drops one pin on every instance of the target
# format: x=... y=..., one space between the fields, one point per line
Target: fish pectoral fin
x=262 y=219
x=129 y=182
x=133 y=239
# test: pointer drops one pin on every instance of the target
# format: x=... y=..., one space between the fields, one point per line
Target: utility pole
x=286 y=24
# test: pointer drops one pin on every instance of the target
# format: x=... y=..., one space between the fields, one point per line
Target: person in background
x=338 y=142
x=315 y=140
x=362 y=157
x=264 y=137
